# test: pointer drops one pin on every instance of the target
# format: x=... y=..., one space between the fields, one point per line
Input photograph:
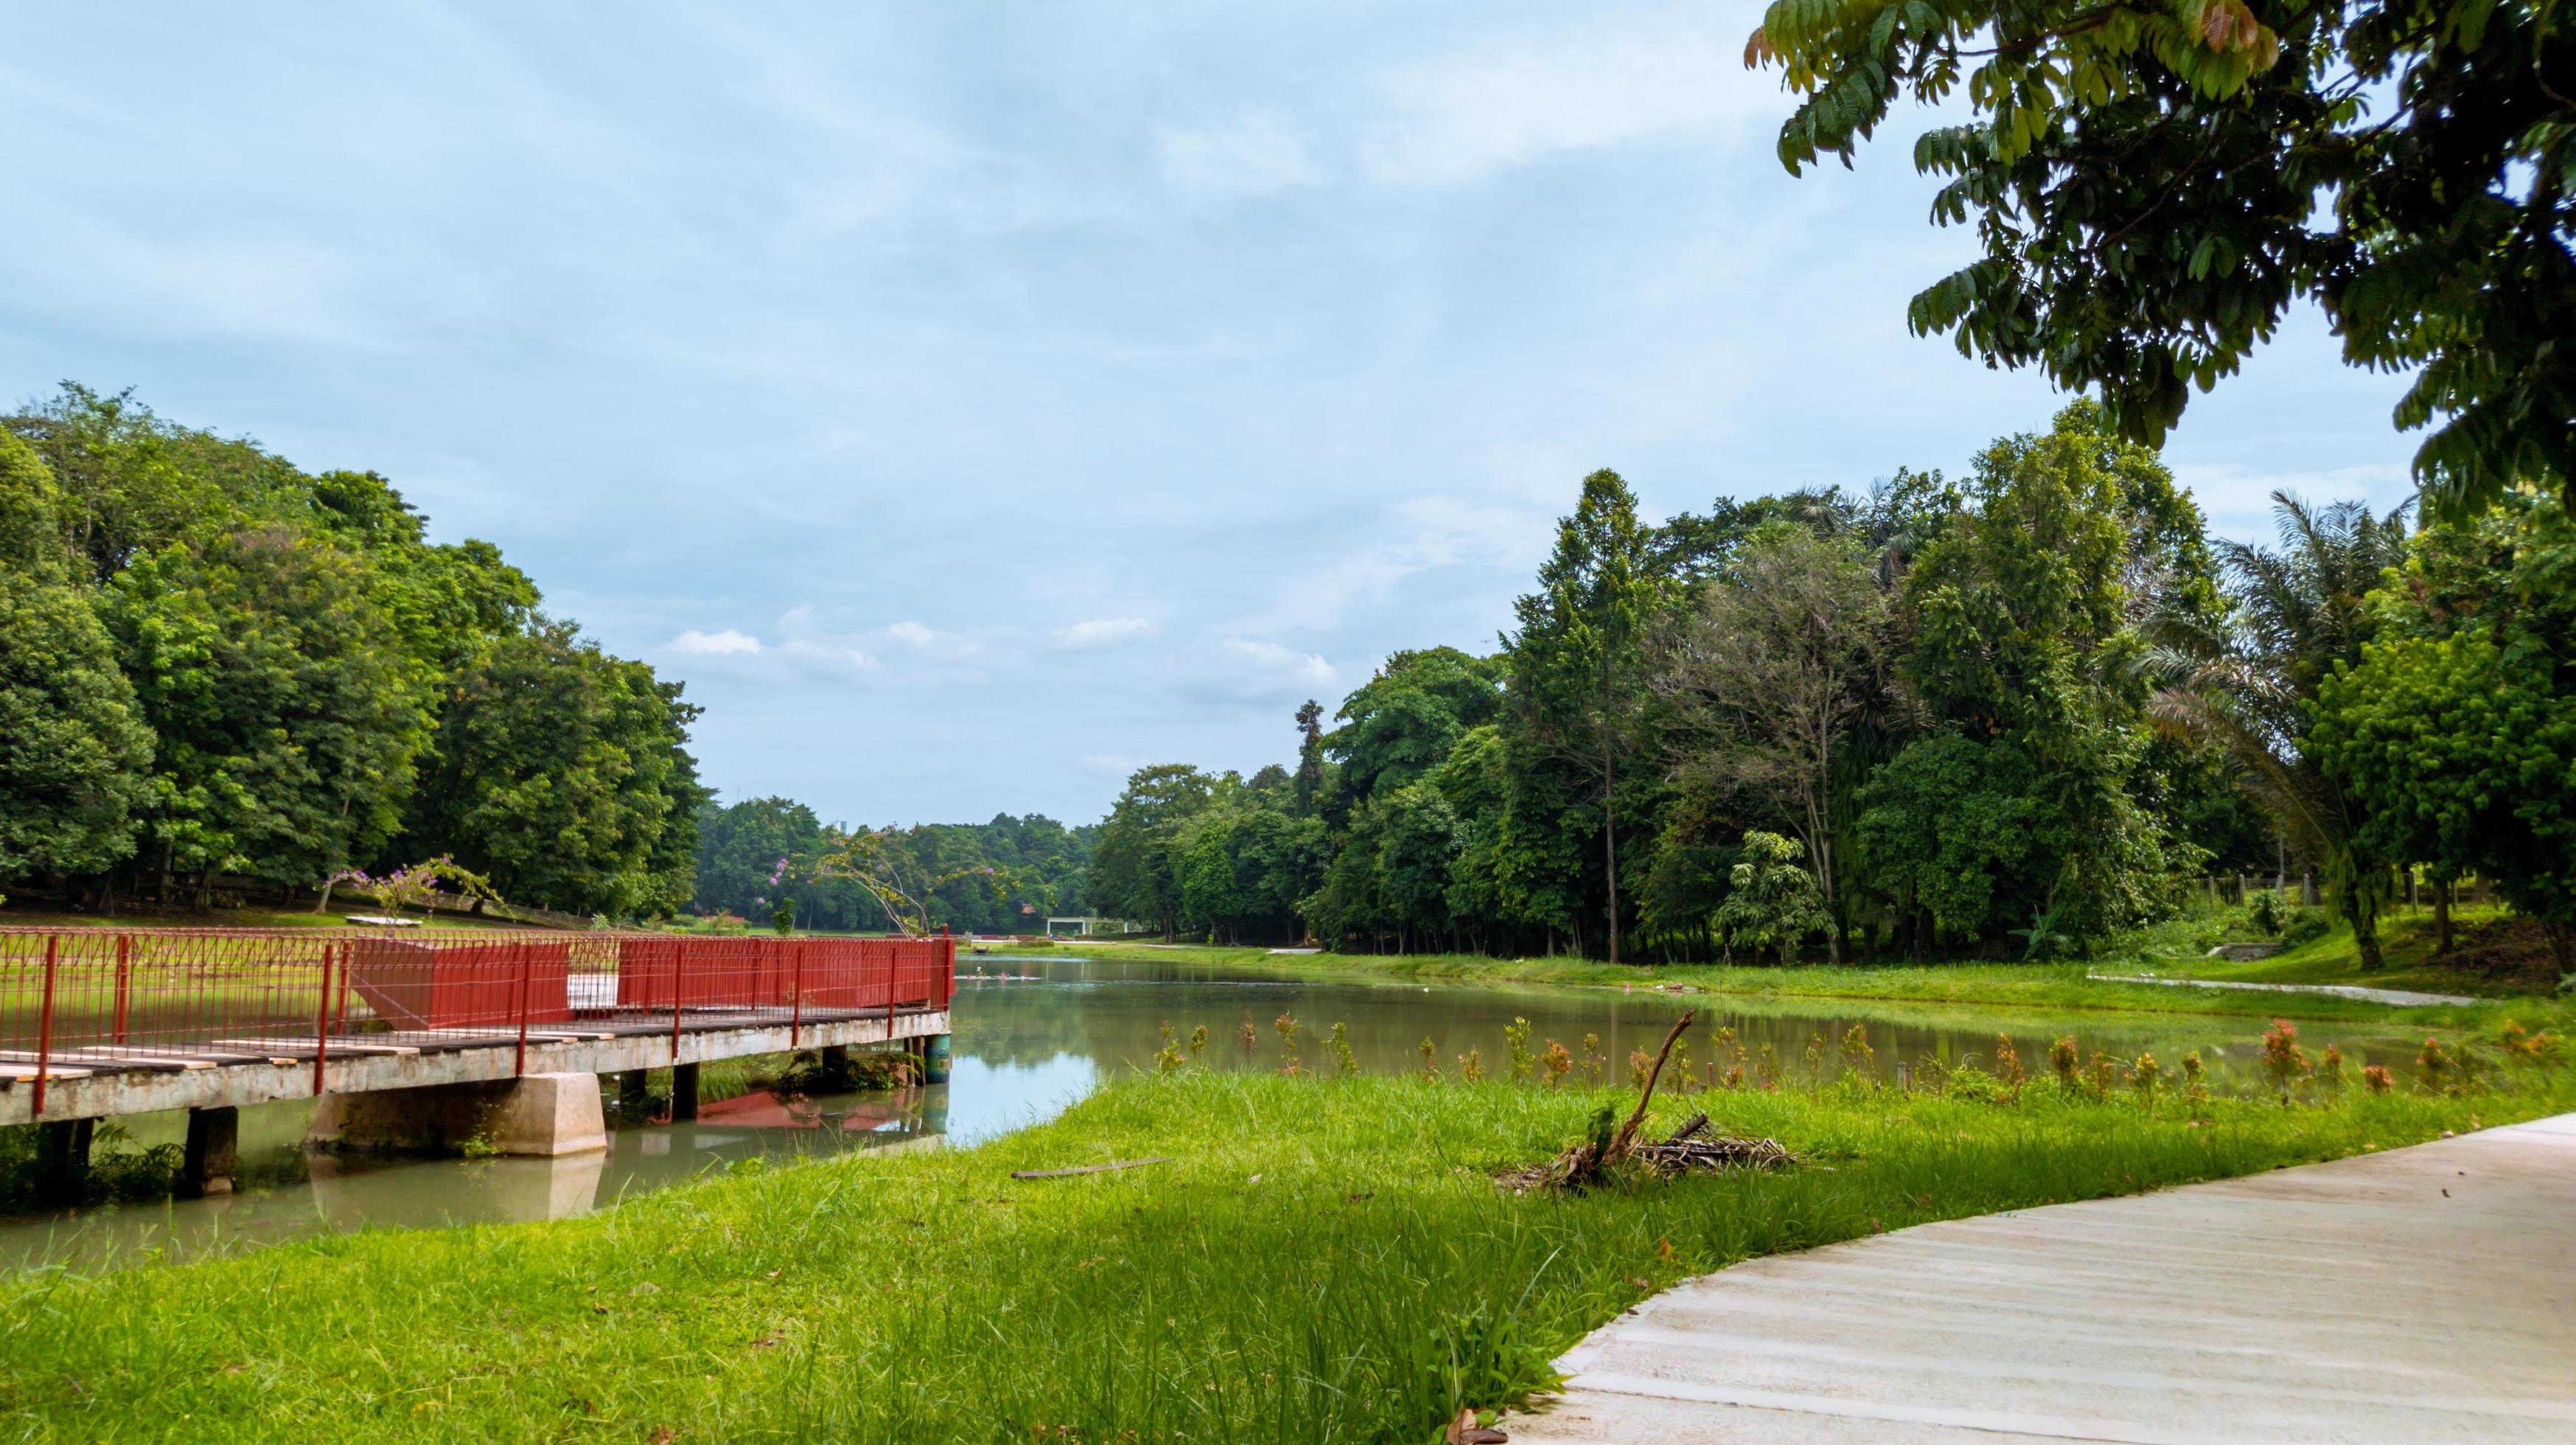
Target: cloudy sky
x=973 y=402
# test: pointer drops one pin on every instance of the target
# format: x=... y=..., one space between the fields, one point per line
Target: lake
x=1034 y=1034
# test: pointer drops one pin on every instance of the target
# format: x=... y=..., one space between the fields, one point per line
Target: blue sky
x=974 y=402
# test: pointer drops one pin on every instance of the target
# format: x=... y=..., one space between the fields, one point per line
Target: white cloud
x=1272 y=662
x=1257 y=155
x=714 y=644
x=914 y=633
x=1505 y=102
x=1100 y=631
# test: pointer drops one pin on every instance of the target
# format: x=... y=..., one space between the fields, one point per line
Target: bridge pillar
x=540 y=1114
x=632 y=1090
x=684 y=1092
x=62 y=1160
x=934 y=1058
x=213 y=1152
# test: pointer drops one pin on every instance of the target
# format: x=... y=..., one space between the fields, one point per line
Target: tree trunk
x=1610 y=831
x=2365 y=927
x=2441 y=916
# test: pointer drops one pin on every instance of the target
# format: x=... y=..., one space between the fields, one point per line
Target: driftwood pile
x=1690 y=1148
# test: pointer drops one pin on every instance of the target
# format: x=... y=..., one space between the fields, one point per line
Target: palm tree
x=2248 y=683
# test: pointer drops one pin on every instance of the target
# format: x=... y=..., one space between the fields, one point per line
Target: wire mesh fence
x=94 y=998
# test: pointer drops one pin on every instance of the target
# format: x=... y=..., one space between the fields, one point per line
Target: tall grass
x=1326 y=1258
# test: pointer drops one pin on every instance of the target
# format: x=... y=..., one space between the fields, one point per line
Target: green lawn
x=1324 y=1259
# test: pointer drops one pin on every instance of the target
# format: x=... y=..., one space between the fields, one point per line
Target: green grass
x=1326 y=1259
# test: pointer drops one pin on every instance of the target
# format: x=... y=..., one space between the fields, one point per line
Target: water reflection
x=1036 y=1034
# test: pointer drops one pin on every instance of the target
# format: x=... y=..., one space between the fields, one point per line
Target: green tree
x=1402 y=722
x=2251 y=686
x=1577 y=663
x=557 y=770
x=287 y=713
x=1134 y=870
x=73 y=753
x=1771 y=902
x=2455 y=735
x=2155 y=186
x=1768 y=673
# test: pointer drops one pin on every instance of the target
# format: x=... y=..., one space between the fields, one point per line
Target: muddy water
x=1036 y=1034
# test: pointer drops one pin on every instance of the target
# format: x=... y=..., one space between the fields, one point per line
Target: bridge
x=424 y=1039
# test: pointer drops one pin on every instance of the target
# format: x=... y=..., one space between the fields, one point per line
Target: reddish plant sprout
x=1593 y=1059
x=1430 y=1059
x=2106 y=1075
x=2008 y=1063
x=2284 y=1062
x=1858 y=1056
x=1287 y=1026
x=2330 y=1070
x=2376 y=1078
x=1471 y=1066
x=2064 y=1062
x=2433 y=1066
x=1557 y=1061
x=2147 y=1077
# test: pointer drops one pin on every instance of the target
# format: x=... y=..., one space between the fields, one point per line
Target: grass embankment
x=2175 y=949
x=1324 y=1259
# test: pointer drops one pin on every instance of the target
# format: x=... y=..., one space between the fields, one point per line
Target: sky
x=975 y=402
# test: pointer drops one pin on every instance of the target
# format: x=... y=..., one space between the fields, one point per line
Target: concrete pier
x=540 y=1115
x=212 y=1153
x=684 y=1093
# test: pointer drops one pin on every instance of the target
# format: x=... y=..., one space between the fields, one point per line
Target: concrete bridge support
x=684 y=1092
x=62 y=1160
x=541 y=1114
x=213 y=1152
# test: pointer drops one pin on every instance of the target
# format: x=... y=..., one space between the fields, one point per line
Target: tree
x=557 y=770
x=73 y=753
x=1310 y=754
x=2251 y=685
x=288 y=716
x=1402 y=722
x=1134 y=872
x=2456 y=733
x=1771 y=902
x=2021 y=608
x=1577 y=661
x=1767 y=674
x=2154 y=187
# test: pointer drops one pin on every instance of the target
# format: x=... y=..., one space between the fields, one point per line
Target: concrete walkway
x=2425 y=1294
x=2394 y=997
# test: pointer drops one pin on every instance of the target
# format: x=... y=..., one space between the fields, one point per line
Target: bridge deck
x=104 y=1082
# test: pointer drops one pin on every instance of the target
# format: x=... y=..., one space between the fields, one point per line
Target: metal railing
x=109 y=998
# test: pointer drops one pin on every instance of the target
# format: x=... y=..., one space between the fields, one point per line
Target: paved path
x=2398 y=997
x=2425 y=1294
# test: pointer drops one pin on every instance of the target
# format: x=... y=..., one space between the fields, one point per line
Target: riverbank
x=1321 y=1258
x=2175 y=950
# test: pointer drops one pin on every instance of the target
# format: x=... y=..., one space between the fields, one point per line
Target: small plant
x=2046 y=937
x=2376 y=1078
x=1812 y=1058
x=1516 y=1037
x=783 y=917
x=1767 y=1064
x=2008 y=1064
x=1639 y=1061
x=1858 y=1057
x=1471 y=1066
x=1977 y=1086
x=2433 y=1066
x=2147 y=1077
x=479 y=1146
x=1556 y=1063
x=1677 y=1074
x=2106 y=1075
x=1288 y=1026
x=1250 y=1036
x=1168 y=1057
x=1343 y=1061
x=2195 y=1092
x=2330 y=1071
x=2065 y=1062
x=2284 y=1062
x=1430 y=1058
x=2263 y=910
x=1593 y=1062
x=1198 y=1041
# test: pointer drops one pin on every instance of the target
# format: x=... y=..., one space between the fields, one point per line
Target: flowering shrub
x=1556 y=1062
x=2284 y=1062
x=2064 y=1062
x=2375 y=1078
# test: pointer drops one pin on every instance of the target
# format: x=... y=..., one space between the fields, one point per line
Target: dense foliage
x=2006 y=717
x=215 y=666
x=2154 y=186
x=1916 y=722
x=1005 y=876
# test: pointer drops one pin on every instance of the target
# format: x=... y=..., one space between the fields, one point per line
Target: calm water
x=1036 y=1035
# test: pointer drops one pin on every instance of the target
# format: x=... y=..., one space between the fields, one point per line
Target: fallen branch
x=1086 y=1169
x=1627 y=1137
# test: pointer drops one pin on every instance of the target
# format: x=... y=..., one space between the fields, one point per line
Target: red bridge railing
x=103 y=998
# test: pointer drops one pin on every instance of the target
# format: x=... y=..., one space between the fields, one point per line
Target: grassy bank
x=1323 y=1259
x=2172 y=950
